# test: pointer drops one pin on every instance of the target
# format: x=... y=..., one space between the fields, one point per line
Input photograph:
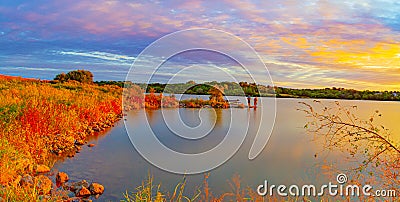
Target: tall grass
x=41 y=119
x=38 y=119
x=148 y=191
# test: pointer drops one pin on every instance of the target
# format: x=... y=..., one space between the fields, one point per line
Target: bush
x=81 y=76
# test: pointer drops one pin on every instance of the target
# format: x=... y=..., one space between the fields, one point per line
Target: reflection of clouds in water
x=288 y=157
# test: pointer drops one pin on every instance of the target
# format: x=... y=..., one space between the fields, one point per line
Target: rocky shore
x=63 y=188
x=80 y=190
x=62 y=146
x=39 y=176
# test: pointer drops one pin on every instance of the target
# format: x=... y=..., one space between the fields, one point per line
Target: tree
x=191 y=82
x=358 y=139
x=216 y=94
x=82 y=76
x=61 y=77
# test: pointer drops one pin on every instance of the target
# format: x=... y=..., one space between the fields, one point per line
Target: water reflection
x=288 y=157
x=219 y=118
x=150 y=115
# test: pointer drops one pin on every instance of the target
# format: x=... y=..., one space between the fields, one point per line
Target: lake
x=288 y=158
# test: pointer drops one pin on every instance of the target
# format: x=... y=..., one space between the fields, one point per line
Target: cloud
x=100 y=55
x=343 y=42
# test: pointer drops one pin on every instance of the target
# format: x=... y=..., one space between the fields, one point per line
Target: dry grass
x=38 y=119
x=148 y=191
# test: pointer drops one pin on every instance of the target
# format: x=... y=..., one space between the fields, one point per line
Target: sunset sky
x=304 y=44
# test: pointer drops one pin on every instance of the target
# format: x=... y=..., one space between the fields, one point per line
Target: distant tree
x=199 y=91
x=61 y=77
x=216 y=94
x=82 y=76
x=191 y=82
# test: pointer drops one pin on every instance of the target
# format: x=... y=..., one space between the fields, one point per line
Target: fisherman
x=255 y=102
x=248 y=101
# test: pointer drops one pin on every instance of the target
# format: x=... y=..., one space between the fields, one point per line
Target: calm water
x=288 y=157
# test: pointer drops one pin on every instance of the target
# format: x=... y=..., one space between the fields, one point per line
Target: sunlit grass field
x=41 y=119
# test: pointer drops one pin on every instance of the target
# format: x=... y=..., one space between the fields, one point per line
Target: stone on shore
x=61 y=177
x=78 y=185
x=74 y=199
x=82 y=192
x=44 y=184
x=42 y=169
x=96 y=188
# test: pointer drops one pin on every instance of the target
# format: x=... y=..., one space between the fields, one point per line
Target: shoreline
x=42 y=121
x=395 y=94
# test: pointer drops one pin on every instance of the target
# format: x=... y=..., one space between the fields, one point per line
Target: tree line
x=238 y=89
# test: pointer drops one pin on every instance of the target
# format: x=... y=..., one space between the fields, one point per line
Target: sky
x=304 y=44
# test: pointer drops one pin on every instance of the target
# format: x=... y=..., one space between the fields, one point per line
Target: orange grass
x=38 y=118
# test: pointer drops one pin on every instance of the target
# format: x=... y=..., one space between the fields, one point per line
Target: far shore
x=254 y=90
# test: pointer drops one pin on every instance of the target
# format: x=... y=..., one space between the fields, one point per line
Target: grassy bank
x=39 y=120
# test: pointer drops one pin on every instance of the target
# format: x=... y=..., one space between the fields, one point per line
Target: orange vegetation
x=153 y=101
x=38 y=119
x=42 y=118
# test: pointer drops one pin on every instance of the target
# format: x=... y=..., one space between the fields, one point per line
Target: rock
x=91 y=145
x=96 y=188
x=82 y=192
x=86 y=200
x=44 y=184
x=78 y=185
x=61 y=177
x=74 y=199
x=42 y=169
x=62 y=186
x=26 y=180
x=83 y=183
